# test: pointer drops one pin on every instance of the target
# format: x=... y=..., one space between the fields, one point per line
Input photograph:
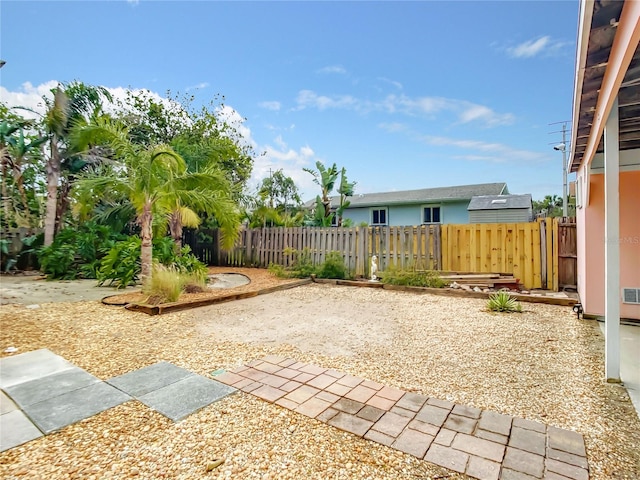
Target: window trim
x=430 y=206
x=386 y=216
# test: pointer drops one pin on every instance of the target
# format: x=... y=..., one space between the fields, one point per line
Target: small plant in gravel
x=503 y=302
x=412 y=278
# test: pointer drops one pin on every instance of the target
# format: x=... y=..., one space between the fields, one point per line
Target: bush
x=503 y=302
x=412 y=278
x=121 y=266
x=77 y=253
x=303 y=267
x=333 y=267
x=167 y=283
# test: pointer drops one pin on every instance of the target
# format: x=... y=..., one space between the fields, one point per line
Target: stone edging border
x=567 y=302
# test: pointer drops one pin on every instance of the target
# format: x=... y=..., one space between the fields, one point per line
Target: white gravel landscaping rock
x=542 y=365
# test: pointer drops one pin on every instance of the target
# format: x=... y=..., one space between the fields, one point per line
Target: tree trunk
x=146 y=248
x=6 y=201
x=63 y=203
x=175 y=227
x=53 y=177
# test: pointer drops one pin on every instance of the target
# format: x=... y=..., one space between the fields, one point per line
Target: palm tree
x=156 y=182
x=325 y=178
x=72 y=105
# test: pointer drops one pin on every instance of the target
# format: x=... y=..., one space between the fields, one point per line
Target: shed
x=500 y=209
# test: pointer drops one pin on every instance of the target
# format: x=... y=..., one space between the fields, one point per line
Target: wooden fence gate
x=567 y=255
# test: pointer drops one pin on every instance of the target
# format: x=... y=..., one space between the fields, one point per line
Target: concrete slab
x=630 y=361
x=6 y=404
x=16 y=429
x=148 y=379
x=29 y=366
x=184 y=397
x=40 y=389
x=63 y=410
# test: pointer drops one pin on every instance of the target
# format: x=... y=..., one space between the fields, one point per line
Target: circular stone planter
x=227 y=280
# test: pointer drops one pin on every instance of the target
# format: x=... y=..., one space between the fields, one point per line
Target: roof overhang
x=607 y=67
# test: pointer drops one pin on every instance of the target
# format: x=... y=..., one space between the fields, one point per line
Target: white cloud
x=29 y=97
x=530 y=48
x=463 y=110
x=291 y=161
x=488 y=152
x=393 y=127
x=133 y=2
x=395 y=83
x=339 y=69
x=308 y=98
x=485 y=115
x=271 y=105
x=199 y=86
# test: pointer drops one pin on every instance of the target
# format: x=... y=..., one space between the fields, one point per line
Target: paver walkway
x=481 y=444
x=42 y=392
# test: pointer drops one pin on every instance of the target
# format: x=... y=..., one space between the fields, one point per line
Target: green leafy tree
x=550 y=205
x=156 y=182
x=73 y=104
x=325 y=178
x=200 y=137
x=346 y=190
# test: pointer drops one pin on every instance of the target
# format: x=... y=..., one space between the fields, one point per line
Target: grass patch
x=167 y=283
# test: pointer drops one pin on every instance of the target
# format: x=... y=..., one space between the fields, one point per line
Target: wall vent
x=631 y=295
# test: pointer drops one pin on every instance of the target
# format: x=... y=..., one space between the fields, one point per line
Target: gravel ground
x=542 y=365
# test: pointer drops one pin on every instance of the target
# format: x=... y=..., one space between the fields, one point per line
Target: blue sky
x=405 y=95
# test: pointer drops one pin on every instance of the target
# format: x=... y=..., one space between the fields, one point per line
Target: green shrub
x=412 y=278
x=121 y=266
x=503 y=302
x=303 y=267
x=333 y=267
x=76 y=253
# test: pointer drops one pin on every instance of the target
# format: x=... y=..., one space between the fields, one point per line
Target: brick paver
x=479 y=443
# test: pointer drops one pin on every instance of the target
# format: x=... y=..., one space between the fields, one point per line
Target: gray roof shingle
x=423 y=195
x=499 y=202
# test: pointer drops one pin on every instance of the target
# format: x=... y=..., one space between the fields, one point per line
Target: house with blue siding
x=416 y=207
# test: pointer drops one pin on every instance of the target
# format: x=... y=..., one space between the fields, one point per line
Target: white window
x=431 y=214
x=379 y=216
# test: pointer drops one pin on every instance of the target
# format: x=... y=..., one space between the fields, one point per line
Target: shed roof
x=424 y=195
x=499 y=202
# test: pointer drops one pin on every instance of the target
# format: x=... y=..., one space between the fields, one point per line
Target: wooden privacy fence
x=528 y=251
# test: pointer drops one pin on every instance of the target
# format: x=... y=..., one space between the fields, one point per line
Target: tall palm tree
x=72 y=104
x=156 y=182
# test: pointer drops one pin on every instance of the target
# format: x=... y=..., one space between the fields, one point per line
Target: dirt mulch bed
x=260 y=280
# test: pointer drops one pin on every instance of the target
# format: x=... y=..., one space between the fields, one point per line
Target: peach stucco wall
x=591 y=244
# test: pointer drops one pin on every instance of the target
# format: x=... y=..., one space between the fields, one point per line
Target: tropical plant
x=503 y=302
x=411 y=277
x=346 y=190
x=77 y=252
x=72 y=106
x=325 y=178
x=156 y=182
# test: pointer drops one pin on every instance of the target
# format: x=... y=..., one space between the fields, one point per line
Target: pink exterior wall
x=591 y=239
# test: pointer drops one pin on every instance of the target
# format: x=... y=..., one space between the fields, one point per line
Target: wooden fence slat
x=529 y=251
